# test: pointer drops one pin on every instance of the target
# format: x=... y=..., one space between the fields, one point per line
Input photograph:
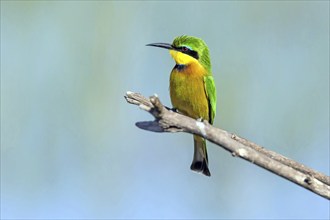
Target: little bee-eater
x=192 y=88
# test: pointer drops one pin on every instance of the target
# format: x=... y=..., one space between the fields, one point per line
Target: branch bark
x=169 y=121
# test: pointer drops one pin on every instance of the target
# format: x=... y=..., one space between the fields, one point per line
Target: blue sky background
x=69 y=146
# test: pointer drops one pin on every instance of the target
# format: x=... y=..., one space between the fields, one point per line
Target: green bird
x=192 y=88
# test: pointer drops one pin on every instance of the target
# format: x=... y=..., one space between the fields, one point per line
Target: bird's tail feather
x=200 y=160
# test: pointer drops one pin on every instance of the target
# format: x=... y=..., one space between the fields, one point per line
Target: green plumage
x=211 y=96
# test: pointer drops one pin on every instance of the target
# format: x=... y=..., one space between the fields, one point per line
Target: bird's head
x=187 y=49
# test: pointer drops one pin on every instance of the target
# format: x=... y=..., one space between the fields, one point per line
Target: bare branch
x=169 y=121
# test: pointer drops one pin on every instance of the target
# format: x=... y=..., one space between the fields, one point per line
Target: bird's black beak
x=162 y=45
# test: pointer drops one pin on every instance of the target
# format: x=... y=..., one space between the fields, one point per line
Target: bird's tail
x=200 y=160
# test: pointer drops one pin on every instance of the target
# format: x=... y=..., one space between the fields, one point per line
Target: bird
x=192 y=89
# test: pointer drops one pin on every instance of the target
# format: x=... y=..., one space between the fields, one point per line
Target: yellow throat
x=194 y=68
x=181 y=58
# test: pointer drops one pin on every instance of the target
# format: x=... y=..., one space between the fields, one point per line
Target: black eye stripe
x=189 y=52
x=192 y=53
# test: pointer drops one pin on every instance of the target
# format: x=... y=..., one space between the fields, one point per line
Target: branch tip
x=144 y=107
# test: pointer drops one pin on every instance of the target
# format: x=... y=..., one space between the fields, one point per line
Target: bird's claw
x=200 y=119
x=172 y=109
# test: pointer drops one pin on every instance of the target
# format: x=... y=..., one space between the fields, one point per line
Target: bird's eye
x=185 y=49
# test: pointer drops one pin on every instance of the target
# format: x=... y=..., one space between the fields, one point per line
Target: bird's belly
x=188 y=95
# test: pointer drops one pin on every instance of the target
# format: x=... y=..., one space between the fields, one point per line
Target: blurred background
x=69 y=145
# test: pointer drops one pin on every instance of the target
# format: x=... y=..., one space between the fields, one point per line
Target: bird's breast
x=187 y=91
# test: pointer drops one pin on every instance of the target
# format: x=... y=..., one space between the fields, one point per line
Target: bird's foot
x=200 y=119
x=172 y=109
x=175 y=110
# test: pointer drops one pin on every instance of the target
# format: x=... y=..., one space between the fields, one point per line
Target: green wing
x=211 y=95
